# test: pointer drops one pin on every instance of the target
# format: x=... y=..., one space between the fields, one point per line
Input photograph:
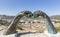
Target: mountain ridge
x=11 y=17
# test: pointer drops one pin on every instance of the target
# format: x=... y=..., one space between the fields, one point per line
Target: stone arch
x=12 y=27
x=48 y=22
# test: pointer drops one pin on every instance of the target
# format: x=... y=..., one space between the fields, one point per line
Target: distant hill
x=6 y=17
x=55 y=17
x=11 y=17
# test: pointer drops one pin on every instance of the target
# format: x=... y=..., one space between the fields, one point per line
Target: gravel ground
x=29 y=34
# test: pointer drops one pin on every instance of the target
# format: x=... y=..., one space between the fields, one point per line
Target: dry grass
x=35 y=27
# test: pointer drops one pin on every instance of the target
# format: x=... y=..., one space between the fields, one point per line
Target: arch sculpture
x=12 y=27
x=48 y=22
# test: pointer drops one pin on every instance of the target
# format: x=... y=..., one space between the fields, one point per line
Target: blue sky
x=12 y=7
